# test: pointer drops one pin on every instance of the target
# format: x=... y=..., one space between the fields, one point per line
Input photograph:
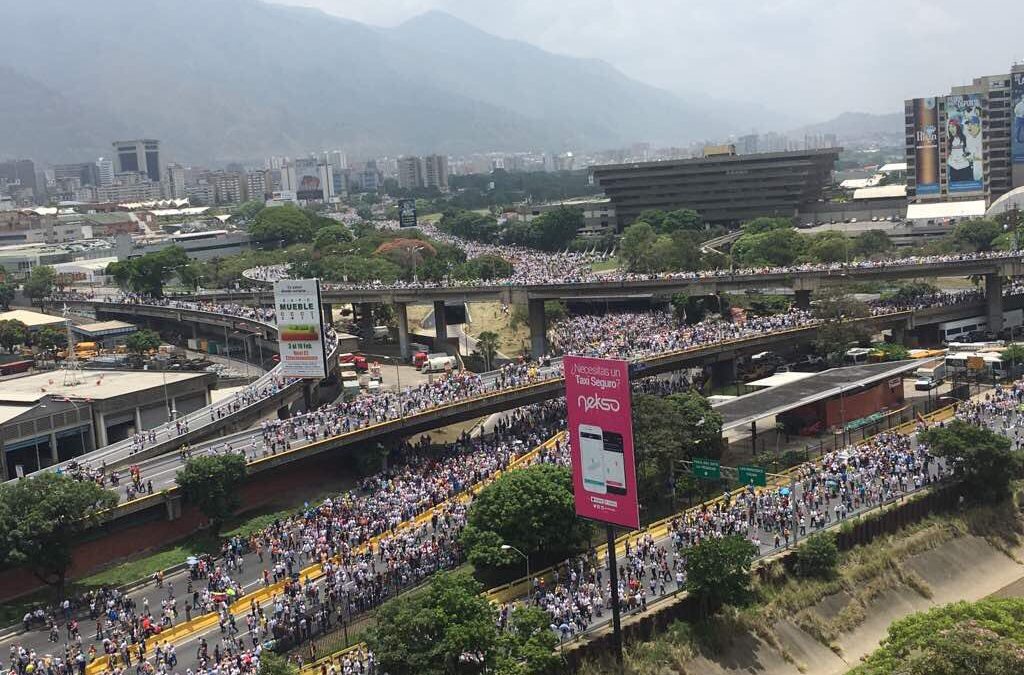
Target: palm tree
x=487 y=346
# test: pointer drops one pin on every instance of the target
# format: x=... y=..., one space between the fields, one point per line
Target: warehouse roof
x=32 y=319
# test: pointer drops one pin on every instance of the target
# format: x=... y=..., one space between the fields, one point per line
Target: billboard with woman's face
x=1017 y=110
x=926 y=145
x=965 y=170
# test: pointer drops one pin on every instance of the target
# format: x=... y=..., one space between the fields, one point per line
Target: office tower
x=435 y=172
x=174 y=182
x=410 y=173
x=141 y=156
x=105 y=171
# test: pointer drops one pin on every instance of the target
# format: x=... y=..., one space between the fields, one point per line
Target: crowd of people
x=843 y=483
x=532 y=267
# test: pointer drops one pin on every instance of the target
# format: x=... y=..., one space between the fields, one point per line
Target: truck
x=440 y=363
x=927 y=378
x=357 y=361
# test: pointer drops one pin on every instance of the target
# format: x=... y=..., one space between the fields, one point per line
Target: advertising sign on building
x=407 y=212
x=300 y=328
x=964 y=156
x=601 y=435
x=308 y=185
x=1017 y=111
x=926 y=145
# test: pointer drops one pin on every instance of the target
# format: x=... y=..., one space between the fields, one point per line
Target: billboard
x=300 y=328
x=926 y=145
x=964 y=165
x=407 y=212
x=308 y=185
x=1017 y=110
x=601 y=437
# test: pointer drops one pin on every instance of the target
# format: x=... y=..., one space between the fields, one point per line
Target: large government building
x=725 y=189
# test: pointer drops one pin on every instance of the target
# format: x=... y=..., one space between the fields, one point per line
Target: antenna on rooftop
x=72 y=370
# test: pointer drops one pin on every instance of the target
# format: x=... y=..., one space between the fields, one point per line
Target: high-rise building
x=724 y=188
x=435 y=172
x=410 y=173
x=174 y=182
x=308 y=179
x=258 y=185
x=747 y=144
x=336 y=158
x=104 y=171
x=960 y=146
x=84 y=173
x=369 y=178
x=227 y=185
x=19 y=175
x=142 y=156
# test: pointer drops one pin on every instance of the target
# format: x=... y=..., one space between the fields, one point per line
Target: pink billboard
x=601 y=435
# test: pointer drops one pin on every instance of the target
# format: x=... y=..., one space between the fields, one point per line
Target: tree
x=984 y=460
x=554 y=229
x=142 y=341
x=448 y=628
x=982 y=638
x=246 y=211
x=407 y=253
x=892 y=351
x=192 y=274
x=836 y=309
x=1014 y=355
x=635 y=247
x=47 y=338
x=828 y=247
x=282 y=225
x=148 y=274
x=331 y=235
x=667 y=429
x=486 y=267
x=531 y=509
x=487 y=345
x=669 y=222
x=909 y=291
x=718 y=572
x=777 y=247
x=275 y=664
x=817 y=556
x=975 y=235
x=39 y=284
x=40 y=518
x=471 y=225
x=7 y=290
x=872 y=243
x=764 y=224
x=212 y=483
x=12 y=334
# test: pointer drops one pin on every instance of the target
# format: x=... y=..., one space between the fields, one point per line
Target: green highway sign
x=752 y=475
x=706 y=468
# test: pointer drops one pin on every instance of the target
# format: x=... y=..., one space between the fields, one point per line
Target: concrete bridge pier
x=402 y=312
x=723 y=373
x=328 y=310
x=365 y=320
x=899 y=334
x=538 y=328
x=803 y=299
x=441 y=327
x=994 y=302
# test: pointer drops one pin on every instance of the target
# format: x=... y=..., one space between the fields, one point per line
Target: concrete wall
x=150 y=529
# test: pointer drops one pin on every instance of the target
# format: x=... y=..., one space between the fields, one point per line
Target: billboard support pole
x=614 y=578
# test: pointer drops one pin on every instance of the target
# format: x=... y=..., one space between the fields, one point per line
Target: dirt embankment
x=825 y=627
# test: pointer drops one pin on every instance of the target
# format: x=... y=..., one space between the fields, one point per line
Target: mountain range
x=224 y=80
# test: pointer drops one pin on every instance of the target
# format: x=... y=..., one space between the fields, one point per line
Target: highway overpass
x=803 y=283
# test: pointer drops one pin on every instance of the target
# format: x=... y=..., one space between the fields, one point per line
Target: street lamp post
x=507 y=547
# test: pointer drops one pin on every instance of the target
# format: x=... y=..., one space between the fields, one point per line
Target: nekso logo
x=589 y=403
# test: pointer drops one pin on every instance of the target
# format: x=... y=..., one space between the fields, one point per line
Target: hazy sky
x=818 y=56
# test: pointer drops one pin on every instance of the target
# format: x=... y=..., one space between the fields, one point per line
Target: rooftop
x=743 y=410
x=31 y=319
x=940 y=210
x=96 y=384
x=104 y=326
x=880 y=192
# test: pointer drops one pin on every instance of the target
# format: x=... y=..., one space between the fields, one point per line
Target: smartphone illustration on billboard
x=614 y=463
x=592 y=457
